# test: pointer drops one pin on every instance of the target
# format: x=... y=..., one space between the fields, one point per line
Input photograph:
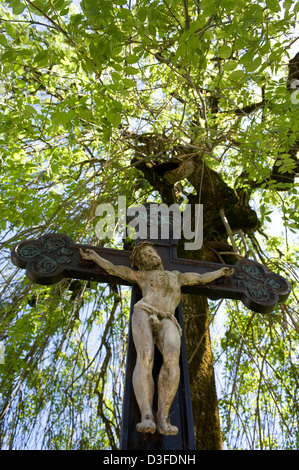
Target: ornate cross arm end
x=44 y=259
x=262 y=289
x=55 y=256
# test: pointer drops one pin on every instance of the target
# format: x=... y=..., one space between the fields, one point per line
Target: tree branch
x=229 y=231
x=250 y=108
x=187 y=19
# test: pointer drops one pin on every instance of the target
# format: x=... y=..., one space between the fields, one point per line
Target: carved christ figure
x=154 y=323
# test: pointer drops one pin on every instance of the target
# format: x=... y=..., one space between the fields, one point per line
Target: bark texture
x=201 y=373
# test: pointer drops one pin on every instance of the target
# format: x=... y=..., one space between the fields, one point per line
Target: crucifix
x=157 y=412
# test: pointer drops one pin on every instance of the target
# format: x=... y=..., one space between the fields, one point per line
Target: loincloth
x=157 y=315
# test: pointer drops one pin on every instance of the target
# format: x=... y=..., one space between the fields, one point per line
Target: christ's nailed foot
x=147 y=425
x=164 y=427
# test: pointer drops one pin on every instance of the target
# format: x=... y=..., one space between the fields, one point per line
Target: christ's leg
x=143 y=382
x=169 y=377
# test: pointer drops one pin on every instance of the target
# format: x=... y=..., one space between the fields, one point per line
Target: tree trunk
x=201 y=373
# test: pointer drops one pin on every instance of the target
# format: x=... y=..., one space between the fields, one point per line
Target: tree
x=186 y=102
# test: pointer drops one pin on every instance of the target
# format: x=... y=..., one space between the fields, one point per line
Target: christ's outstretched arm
x=192 y=279
x=124 y=272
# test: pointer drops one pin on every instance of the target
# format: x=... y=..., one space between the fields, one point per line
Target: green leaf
x=208 y=34
x=42 y=58
x=38 y=8
x=131 y=71
x=227 y=4
x=225 y=52
x=142 y=14
x=152 y=29
x=132 y=59
x=10 y=29
x=273 y=5
x=114 y=118
x=208 y=7
x=62 y=6
x=254 y=65
x=63 y=118
x=236 y=75
x=287 y=4
x=3 y=40
x=230 y=65
x=128 y=82
x=17 y=7
x=116 y=77
x=240 y=43
x=8 y=56
x=123 y=13
x=116 y=105
x=117 y=67
x=29 y=110
x=247 y=58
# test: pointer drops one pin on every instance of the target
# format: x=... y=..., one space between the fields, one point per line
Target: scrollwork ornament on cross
x=45 y=256
x=260 y=285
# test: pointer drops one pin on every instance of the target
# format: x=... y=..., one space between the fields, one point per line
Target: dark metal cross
x=54 y=257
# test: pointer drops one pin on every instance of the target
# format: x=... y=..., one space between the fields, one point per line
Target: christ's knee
x=146 y=357
x=171 y=354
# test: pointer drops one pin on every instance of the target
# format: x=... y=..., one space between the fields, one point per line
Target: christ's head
x=145 y=258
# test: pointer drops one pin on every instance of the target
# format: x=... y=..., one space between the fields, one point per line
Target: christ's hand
x=227 y=272
x=87 y=254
